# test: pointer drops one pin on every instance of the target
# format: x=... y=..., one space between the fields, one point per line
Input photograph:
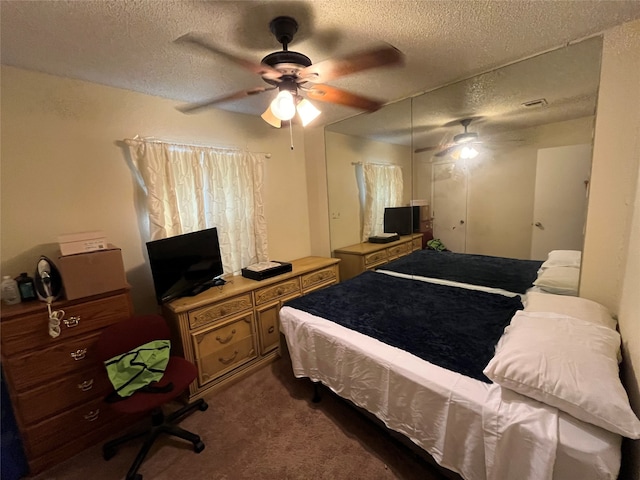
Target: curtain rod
x=138 y=139
x=381 y=164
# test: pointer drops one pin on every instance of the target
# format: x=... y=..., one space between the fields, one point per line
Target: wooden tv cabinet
x=357 y=258
x=233 y=330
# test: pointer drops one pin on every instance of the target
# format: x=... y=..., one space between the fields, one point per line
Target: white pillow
x=575 y=307
x=567 y=363
x=559 y=280
x=563 y=258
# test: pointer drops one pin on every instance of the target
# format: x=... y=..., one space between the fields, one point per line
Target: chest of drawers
x=357 y=258
x=230 y=331
x=55 y=384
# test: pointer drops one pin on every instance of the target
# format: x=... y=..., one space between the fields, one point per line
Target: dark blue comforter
x=498 y=272
x=452 y=327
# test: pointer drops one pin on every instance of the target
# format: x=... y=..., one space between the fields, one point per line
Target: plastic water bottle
x=10 y=292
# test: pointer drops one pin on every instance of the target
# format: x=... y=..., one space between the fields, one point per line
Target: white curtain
x=190 y=188
x=383 y=188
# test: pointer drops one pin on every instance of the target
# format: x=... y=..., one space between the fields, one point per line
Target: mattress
x=476 y=429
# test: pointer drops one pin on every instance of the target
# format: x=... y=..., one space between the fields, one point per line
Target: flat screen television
x=402 y=220
x=185 y=265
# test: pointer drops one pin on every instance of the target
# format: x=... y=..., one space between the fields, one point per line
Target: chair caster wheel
x=203 y=406
x=198 y=447
x=109 y=453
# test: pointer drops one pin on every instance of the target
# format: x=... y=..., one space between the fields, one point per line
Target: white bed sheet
x=451 y=283
x=479 y=430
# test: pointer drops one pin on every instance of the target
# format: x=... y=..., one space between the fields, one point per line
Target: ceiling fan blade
x=259 y=68
x=190 y=108
x=426 y=149
x=384 y=55
x=325 y=93
x=446 y=151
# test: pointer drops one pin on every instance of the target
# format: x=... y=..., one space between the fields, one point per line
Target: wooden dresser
x=56 y=385
x=357 y=258
x=230 y=331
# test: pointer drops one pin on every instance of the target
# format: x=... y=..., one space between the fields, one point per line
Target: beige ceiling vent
x=540 y=102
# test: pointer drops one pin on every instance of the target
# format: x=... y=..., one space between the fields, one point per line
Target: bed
x=437 y=392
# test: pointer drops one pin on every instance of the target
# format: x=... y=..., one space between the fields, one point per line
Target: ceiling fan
x=465 y=145
x=295 y=76
x=462 y=144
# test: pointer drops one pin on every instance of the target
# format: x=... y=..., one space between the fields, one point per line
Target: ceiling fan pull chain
x=291 y=133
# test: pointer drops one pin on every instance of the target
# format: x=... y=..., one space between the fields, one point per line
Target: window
x=190 y=188
x=382 y=187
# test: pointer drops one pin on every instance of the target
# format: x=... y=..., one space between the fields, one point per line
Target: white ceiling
x=129 y=43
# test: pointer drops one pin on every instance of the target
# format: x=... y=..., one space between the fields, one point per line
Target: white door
x=560 y=204
x=449 y=205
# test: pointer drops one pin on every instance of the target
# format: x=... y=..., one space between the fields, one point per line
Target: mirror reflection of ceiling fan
x=295 y=77
x=464 y=145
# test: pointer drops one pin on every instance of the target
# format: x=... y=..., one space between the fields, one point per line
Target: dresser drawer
x=214 y=365
x=32 y=331
x=56 y=431
x=45 y=365
x=279 y=290
x=47 y=400
x=222 y=348
x=220 y=336
x=268 y=329
x=399 y=250
x=417 y=244
x=320 y=277
x=220 y=310
x=375 y=258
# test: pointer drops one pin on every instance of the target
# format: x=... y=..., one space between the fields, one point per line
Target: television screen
x=402 y=220
x=185 y=264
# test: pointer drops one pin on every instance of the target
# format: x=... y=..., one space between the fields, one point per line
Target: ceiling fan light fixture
x=307 y=111
x=468 y=152
x=283 y=106
x=270 y=118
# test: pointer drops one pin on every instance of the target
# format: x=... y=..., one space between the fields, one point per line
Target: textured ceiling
x=129 y=43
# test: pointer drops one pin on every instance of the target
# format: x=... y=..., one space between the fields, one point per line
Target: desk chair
x=123 y=337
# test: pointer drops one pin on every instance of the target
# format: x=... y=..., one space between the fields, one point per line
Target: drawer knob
x=280 y=291
x=223 y=312
x=227 y=361
x=86 y=385
x=92 y=416
x=79 y=354
x=271 y=329
x=228 y=339
x=72 y=322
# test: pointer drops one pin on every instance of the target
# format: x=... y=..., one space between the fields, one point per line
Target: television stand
x=367 y=255
x=192 y=292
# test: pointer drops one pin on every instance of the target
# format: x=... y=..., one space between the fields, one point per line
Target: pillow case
x=563 y=258
x=575 y=307
x=567 y=363
x=559 y=280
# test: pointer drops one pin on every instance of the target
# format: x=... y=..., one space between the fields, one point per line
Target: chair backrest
x=131 y=333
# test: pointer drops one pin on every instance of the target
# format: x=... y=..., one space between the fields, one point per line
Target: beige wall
x=611 y=263
x=63 y=172
x=344 y=207
x=317 y=186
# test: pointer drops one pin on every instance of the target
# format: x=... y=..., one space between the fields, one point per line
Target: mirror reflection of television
x=402 y=220
x=186 y=264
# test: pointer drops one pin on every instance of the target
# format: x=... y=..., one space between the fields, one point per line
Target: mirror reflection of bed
x=511 y=200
